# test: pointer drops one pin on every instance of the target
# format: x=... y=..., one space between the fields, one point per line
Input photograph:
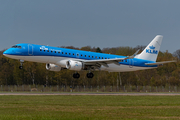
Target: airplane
x=57 y=59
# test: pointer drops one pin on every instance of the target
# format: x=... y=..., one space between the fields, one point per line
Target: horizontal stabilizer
x=160 y=63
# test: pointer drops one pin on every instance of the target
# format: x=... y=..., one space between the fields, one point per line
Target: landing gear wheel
x=76 y=75
x=90 y=75
x=21 y=62
x=20 y=67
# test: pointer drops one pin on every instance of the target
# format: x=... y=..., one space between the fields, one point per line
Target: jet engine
x=53 y=67
x=74 y=65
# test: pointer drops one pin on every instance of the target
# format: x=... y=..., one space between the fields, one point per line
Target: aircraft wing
x=105 y=61
x=160 y=63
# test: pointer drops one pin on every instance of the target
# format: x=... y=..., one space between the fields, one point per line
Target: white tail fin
x=152 y=50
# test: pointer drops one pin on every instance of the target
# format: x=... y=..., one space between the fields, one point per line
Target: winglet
x=132 y=56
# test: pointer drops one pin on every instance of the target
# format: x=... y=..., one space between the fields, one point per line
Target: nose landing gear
x=21 y=62
x=20 y=67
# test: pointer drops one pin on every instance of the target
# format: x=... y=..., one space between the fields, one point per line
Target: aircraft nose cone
x=6 y=53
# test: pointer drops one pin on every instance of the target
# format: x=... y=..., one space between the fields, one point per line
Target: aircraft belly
x=15 y=57
x=61 y=61
x=42 y=59
x=124 y=68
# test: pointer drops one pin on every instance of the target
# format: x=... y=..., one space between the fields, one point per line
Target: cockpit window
x=16 y=46
x=19 y=47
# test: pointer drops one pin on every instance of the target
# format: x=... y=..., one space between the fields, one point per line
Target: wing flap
x=107 y=61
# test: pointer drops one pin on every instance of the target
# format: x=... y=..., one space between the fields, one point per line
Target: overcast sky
x=95 y=23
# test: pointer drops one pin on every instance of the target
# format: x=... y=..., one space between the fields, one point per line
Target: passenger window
x=59 y=52
x=105 y=58
x=73 y=53
x=47 y=50
x=62 y=53
x=96 y=56
x=89 y=56
x=69 y=53
x=81 y=55
x=66 y=53
x=40 y=49
x=51 y=51
x=99 y=57
x=92 y=56
x=55 y=51
x=44 y=50
x=102 y=57
x=77 y=54
x=85 y=55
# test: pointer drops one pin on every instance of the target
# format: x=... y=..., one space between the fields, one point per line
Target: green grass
x=89 y=107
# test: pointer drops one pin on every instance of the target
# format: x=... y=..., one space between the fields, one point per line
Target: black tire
x=87 y=75
x=90 y=75
x=76 y=75
x=20 y=67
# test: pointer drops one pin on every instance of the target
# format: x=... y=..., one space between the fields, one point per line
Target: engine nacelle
x=53 y=67
x=74 y=65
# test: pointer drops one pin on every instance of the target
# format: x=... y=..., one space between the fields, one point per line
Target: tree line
x=36 y=73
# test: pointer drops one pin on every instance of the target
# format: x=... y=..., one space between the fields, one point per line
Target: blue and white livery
x=57 y=59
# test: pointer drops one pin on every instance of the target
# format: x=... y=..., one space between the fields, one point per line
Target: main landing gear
x=21 y=62
x=88 y=75
x=76 y=75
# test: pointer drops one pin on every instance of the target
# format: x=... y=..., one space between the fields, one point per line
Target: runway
x=112 y=94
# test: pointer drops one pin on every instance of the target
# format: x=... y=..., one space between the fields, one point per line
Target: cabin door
x=131 y=63
x=30 y=49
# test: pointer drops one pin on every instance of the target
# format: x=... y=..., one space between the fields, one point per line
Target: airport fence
x=57 y=88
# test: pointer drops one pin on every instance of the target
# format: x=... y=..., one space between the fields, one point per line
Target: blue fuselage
x=47 y=54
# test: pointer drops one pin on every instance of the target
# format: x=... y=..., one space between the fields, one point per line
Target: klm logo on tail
x=151 y=50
